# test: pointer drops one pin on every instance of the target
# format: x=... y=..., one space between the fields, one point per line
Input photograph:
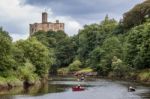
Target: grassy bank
x=66 y=71
x=141 y=76
x=12 y=81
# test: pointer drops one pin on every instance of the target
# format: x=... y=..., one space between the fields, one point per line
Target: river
x=95 y=89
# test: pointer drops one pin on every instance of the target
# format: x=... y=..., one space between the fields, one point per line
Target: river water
x=95 y=89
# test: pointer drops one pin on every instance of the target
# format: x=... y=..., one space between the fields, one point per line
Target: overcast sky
x=16 y=15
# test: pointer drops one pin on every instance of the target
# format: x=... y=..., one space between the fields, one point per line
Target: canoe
x=78 y=88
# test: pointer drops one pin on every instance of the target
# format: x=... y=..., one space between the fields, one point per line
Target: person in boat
x=82 y=78
x=131 y=89
x=79 y=86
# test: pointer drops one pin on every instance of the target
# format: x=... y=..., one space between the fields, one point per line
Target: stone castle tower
x=45 y=25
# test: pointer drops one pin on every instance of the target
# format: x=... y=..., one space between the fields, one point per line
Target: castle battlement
x=45 y=25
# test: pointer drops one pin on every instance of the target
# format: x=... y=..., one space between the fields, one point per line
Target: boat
x=78 y=88
x=131 y=89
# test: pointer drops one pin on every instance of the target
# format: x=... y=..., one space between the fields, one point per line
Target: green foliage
x=7 y=62
x=63 y=71
x=144 y=75
x=138 y=46
x=94 y=35
x=137 y=15
x=38 y=55
x=95 y=57
x=64 y=53
x=75 y=66
x=50 y=38
x=86 y=70
x=24 y=60
x=27 y=72
x=14 y=81
x=106 y=47
x=63 y=48
x=101 y=57
x=3 y=81
x=119 y=68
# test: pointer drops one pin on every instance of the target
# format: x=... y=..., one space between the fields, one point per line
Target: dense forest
x=22 y=61
x=111 y=48
x=117 y=49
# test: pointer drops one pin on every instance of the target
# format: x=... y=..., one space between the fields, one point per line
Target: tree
x=7 y=63
x=112 y=47
x=138 y=46
x=74 y=66
x=137 y=15
x=119 y=68
x=94 y=35
x=63 y=47
x=64 y=53
x=37 y=54
x=50 y=38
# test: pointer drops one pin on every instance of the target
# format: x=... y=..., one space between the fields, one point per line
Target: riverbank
x=141 y=76
x=61 y=87
x=13 y=82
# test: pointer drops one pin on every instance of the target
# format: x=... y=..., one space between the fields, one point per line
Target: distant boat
x=82 y=78
x=131 y=89
x=78 y=88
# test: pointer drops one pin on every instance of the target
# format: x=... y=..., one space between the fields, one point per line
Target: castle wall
x=46 y=26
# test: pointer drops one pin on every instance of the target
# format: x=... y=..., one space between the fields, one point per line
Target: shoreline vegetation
x=110 y=48
x=141 y=76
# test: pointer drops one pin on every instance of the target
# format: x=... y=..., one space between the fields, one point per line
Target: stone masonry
x=45 y=25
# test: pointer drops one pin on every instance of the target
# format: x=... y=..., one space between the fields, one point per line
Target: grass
x=144 y=75
x=13 y=81
x=85 y=70
x=3 y=81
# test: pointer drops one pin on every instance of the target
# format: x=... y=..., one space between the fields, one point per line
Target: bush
x=144 y=75
x=27 y=72
x=75 y=66
x=3 y=81
x=119 y=68
x=38 y=54
x=13 y=81
x=63 y=71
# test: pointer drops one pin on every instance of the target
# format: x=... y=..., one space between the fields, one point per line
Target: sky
x=16 y=15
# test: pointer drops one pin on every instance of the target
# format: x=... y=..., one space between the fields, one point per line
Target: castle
x=45 y=25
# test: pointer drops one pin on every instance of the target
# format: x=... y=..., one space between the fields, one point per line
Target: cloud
x=86 y=11
x=15 y=18
x=80 y=8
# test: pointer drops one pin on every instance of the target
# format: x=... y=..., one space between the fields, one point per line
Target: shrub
x=63 y=71
x=13 y=81
x=144 y=75
x=27 y=72
x=119 y=68
x=75 y=66
x=2 y=81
